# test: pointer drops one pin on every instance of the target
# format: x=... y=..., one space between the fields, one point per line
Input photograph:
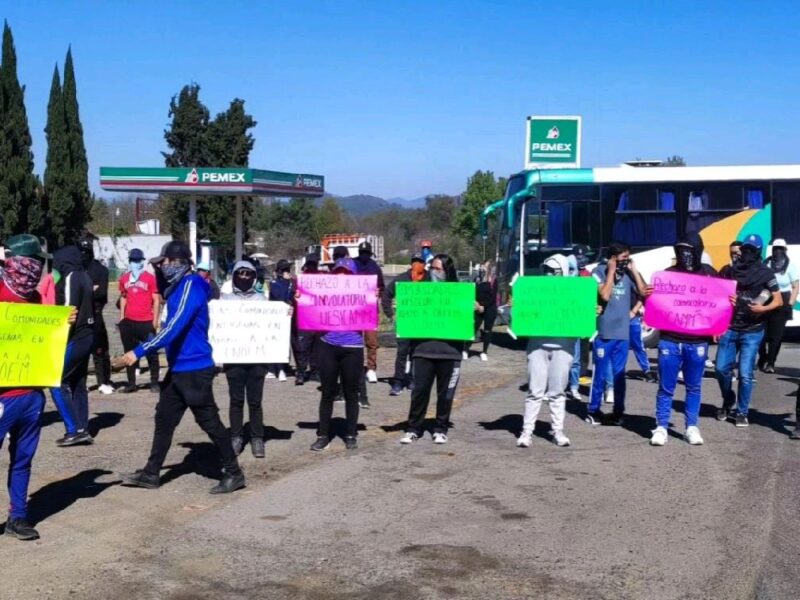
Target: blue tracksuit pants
x=20 y=419
x=605 y=353
x=672 y=357
x=637 y=344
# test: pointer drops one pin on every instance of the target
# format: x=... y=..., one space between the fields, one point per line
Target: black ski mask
x=87 y=252
x=779 y=261
x=689 y=252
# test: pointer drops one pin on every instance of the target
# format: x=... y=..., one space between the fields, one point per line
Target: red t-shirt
x=6 y=295
x=138 y=296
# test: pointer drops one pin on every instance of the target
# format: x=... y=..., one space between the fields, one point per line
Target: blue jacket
x=185 y=334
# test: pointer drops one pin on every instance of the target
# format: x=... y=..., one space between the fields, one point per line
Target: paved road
x=609 y=517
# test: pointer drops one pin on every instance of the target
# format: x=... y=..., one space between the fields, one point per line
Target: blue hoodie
x=185 y=334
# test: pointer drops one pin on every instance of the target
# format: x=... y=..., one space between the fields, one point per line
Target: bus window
x=708 y=203
x=515 y=184
x=786 y=211
x=645 y=215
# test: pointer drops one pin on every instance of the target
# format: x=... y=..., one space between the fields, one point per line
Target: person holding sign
x=189 y=380
x=685 y=352
x=616 y=278
x=788 y=277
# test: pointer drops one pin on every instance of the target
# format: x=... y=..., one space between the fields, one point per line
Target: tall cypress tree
x=78 y=176
x=17 y=182
x=57 y=170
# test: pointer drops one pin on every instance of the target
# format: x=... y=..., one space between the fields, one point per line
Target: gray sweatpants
x=548 y=376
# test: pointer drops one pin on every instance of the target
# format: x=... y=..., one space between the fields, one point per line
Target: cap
x=27 y=245
x=283 y=265
x=365 y=248
x=173 y=249
x=417 y=257
x=779 y=243
x=580 y=250
x=426 y=243
x=203 y=266
x=346 y=263
x=135 y=255
x=340 y=252
x=753 y=240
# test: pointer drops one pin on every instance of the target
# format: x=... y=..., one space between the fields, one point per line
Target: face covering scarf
x=136 y=269
x=243 y=284
x=779 y=261
x=438 y=276
x=417 y=272
x=746 y=270
x=684 y=257
x=22 y=274
x=170 y=276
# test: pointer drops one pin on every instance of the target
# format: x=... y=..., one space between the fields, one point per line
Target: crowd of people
x=164 y=305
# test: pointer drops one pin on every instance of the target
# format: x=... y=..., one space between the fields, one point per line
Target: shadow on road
x=60 y=495
x=338 y=426
x=202 y=459
x=104 y=420
x=779 y=423
x=427 y=426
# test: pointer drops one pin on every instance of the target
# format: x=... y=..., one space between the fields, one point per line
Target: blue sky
x=410 y=98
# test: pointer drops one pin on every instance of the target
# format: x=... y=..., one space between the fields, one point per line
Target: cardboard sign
x=249 y=332
x=544 y=306
x=441 y=311
x=691 y=304
x=33 y=342
x=337 y=302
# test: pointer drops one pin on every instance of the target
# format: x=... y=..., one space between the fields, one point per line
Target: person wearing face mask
x=139 y=311
x=367 y=266
x=402 y=378
x=787 y=276
x=682 y=352
x=304 y=342
x=281 y=289
x=616 y=280
x=246 y=381
x=549 y=365
x=735 y=251
x=99 y=276
x=204 y=271
x=485 y=309
x=757 y=293
x=578 y=261
x=190 y=376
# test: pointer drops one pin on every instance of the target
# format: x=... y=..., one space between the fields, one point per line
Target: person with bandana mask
x=402 y=378
x=735 y=251
x=246 y=381
x=682 y=352
x=757 y=293
x=99 y=276
x=190 y=376
x=21 y=408
x=616 y=279
x=366 y=265
x=787 y=276
x=139 y=312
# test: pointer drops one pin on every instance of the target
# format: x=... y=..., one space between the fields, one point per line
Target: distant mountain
x=413 y=203
x=359 y=205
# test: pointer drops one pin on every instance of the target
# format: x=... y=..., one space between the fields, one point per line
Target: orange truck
x=351 y=241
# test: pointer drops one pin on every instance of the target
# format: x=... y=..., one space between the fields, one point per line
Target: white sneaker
x=484 y=357
x=560 y=439
x=464 y=356
x=281 y=375
x=680 y=376
x=525 y=440
x=439 y=438
x=105 y=389
x=409 y=438
x=270 y=375
x=693 y=436
x=609 y=396
x=709 y=363
x=575 y=394
x=372 y=376
x=659 y=437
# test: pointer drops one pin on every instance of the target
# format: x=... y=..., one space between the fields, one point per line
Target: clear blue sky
x=409 y=98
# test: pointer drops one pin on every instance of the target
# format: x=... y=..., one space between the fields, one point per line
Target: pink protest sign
x=337 y=302
x=692 y=304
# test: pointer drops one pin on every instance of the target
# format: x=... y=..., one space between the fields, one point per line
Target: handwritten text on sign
x=692 y=304
x=337 y=302
x=545 y=306
x=442 y=311
x=249 y=332
x=33 y=341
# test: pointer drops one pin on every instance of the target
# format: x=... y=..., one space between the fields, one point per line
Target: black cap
x=283 y=265
x=172 y=250
x=580 y=250
x=365 y=248
x=417 y=257
x=340 y=252
x=135 y=255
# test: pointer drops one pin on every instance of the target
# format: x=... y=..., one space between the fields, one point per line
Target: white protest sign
x=248 y=332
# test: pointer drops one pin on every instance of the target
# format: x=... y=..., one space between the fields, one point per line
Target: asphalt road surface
x=608 y=517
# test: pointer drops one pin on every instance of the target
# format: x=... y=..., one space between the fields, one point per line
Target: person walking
x=304 y=343
x=99 y=276
x=757 y=293
x=549 y=365
x=434 y=361
x=281 y=289
x=366 y=265
x=788 y=277
x=190 y=376
x=246 y=381
x=139 y=313
x=486 y=309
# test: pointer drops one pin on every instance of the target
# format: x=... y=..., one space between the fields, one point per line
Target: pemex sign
x=553 y=142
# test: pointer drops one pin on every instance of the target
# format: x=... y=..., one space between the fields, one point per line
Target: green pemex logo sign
x=552 y=142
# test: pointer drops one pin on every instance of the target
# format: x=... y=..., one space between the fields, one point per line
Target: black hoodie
x=74 y=289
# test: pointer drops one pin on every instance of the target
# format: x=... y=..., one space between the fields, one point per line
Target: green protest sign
x=554 y=306
x=442 y=311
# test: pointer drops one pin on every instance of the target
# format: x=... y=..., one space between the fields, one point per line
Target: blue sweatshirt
x=185 y=334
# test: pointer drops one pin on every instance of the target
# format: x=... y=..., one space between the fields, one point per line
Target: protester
x=190 y=377
x=682 y=352
x=757 y=293
x=246 y=381
x=616 y=278
x=735 y=251
x=304 y=342
x=637 y=342
x=21 y=408
x=340 y=356
x=139 y=313
x=426 y=252
x=436 y=361
x=281 y=289
x=402 y=378
x=549 y=365
x=486 y=311
x=788 y=277
x=578 y=261
x=99 y=276
x=204 y=271
x=366 y=265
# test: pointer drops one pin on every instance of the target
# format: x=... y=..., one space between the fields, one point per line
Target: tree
x=78 y=170
x=56 y=173
x=440 y=211
x=674 y=161
x=19 y=208
x=482 y=190
x=329 y=218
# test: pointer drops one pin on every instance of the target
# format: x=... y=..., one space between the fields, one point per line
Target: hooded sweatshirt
x=250 y=294
x=75 y=289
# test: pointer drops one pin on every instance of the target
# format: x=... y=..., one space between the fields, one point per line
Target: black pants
x=400 y=359
x=335 y=362
x=773 y=336
x=246 y=382
x=303 y=346
x=134 y=333
x=485 y=319
x=192 y=390
x=100 y=355
x=445 y=373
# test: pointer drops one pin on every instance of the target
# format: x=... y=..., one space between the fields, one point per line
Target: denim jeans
x=605 y=354
x=746 y=344
x=673 y=357
x=575 y=371
x=637 y=344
